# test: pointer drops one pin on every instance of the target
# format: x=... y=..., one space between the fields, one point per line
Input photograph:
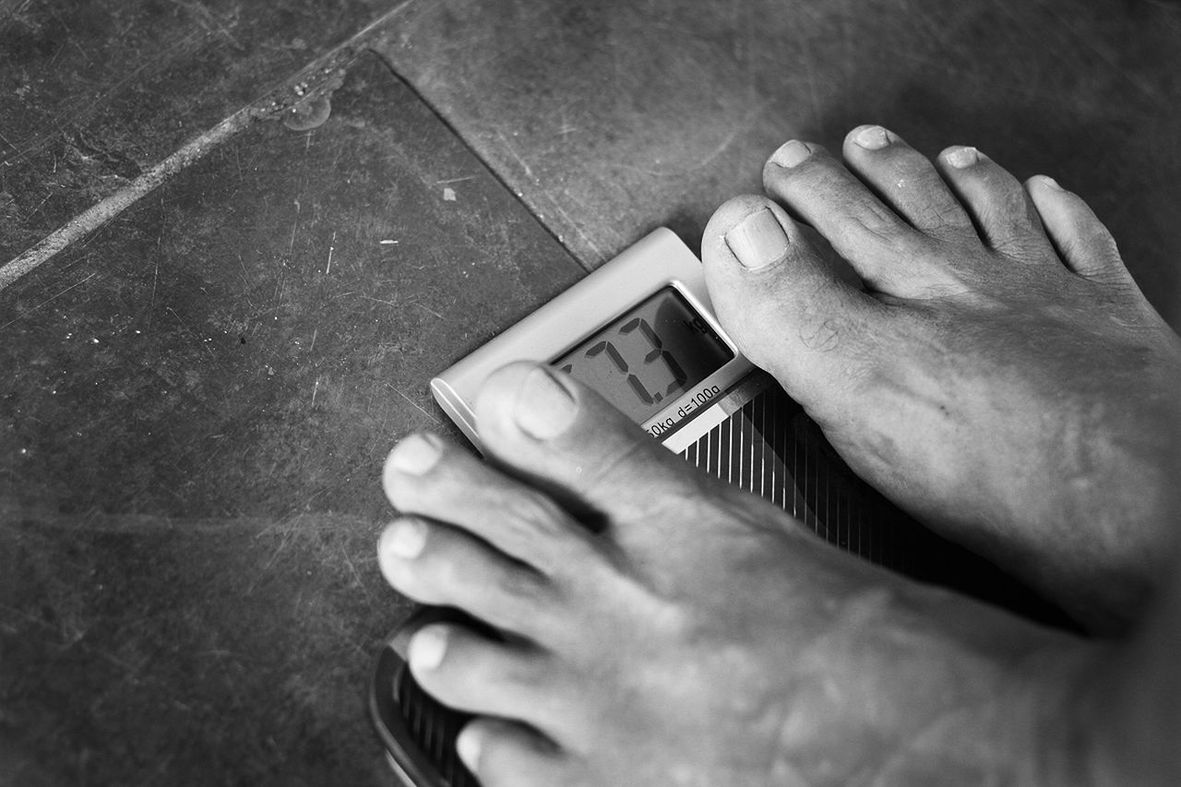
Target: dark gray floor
x=197 y=397
x=616 y=119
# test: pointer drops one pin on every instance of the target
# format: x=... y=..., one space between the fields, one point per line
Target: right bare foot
x=696 y=635
x=999 y=375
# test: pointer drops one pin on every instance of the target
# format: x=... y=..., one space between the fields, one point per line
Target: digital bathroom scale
x=641 y=331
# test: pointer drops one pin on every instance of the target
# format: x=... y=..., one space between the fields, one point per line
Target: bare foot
x=1000 y=375
x=678 y=631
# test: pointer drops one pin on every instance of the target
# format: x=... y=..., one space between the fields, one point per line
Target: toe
x=908 y=182
x=887 y=252
x=424 y=475
x=787 y=307
x=444 y=566
x=565 y=439
x=501 y=752
x=1083 y=243
x=470 y=672
x=1000 y=207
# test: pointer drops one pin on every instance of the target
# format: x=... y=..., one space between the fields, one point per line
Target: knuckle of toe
x=536 y=526
x=879 y=224
x=1019 y=247
x=522 y=585
x=943 y=214
x=535 y=513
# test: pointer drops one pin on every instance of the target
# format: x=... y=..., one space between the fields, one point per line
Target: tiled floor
x=195 y=396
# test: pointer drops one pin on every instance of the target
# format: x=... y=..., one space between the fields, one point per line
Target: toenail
x=1048 y=181
x=427 y=647
x=416 y=454
x=468 y=746
x=873 y=137
x=758 y=240
x=961 y=158
x=405 y=538
x=544 y=408
x=791 y=153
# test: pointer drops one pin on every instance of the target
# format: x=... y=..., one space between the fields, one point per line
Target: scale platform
x=641 y=331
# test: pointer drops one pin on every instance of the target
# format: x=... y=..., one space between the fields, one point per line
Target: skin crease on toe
x=999 y=374
x=699 y=637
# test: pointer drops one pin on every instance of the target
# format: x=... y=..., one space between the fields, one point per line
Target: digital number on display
x=648 y=357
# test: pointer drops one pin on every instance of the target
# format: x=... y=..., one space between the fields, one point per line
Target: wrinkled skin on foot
x=997 y=373
x=677 y=631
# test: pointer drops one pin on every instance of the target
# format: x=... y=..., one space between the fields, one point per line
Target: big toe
x=789 y=308
x=563 y=438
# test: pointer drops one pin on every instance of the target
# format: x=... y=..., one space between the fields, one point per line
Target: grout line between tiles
x=488 y=165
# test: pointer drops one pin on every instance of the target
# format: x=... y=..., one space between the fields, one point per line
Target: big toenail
x=468 y=746
x=405 y=538
x=427 y=647
x=758 y=240
x=873 y=137
x=544 y=408
x=791 y=153
x=961 y=158
x=416 y=454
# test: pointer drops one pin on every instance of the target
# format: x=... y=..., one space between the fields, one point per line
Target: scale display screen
x=648 y=357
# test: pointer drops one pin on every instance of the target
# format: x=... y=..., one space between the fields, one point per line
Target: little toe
x=470 y=672
x=1002 y=210
x=1084 y=244
x=444 y=566
x=787 y=307
x=885 y=251
x=908 y=182
x=503 y=753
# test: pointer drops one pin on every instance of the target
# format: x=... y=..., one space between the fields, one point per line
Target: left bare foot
x=692 y=634
x=999 y=375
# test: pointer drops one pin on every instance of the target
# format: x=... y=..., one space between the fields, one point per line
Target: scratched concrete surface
x=195 y=399
x=94 y=93
x=195 y=408
x=614 y=117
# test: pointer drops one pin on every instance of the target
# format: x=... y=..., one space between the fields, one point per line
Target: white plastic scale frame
x=657 y=261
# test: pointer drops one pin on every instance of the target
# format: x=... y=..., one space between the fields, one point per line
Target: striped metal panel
x=773 y=449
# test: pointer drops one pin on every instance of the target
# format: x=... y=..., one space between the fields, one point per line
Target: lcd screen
x=645 y=359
